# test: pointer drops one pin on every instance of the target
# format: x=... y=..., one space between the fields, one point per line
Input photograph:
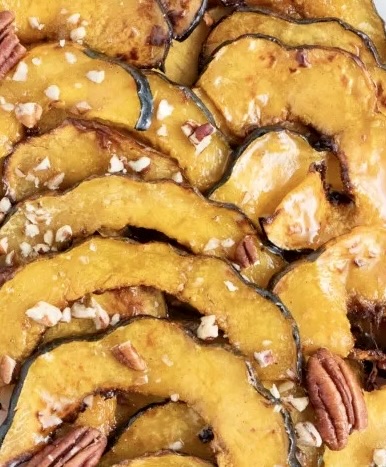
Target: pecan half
x=82 y=447
x=11 y=51
x=246 y=252
x=336 y=397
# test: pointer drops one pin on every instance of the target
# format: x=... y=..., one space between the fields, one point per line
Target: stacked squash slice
x=191 y=248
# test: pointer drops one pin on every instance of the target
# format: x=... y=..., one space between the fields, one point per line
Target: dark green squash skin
x=143 y=88
x=292 y=459
x=240 y=7
x=192 y=26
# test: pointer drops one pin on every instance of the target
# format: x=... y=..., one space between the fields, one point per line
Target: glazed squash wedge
x=56 y=85
x=114 y=202
x=301 y=94
x=140 y=30
x=321 y=289
x=251 y=317
x=306 y=218
x=318 y=32
x=156 y=428
x=361 y=444
x=264 y=169
x=216 y=396
x=119 y=305
x=360 y=14
x=75 y=151
x=204 y=154
x=184 y=16
x=165 y=459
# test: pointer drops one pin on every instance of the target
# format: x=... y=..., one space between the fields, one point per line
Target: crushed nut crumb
x=44 y=313
x=207 y=328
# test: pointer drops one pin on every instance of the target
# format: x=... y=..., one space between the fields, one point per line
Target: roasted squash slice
x=182 y=62
x=301 y=94
x=295 y=33
x=306 y=218
x=264 y=169
x=114 y=202
x=158 y=427
x=251 y=317
x=119 y=305
x=176 y=109
x=184 y=16
x=75 y=151
x=321 y=289
x=141 y=34
x=361 y=14
x=56 y=381
x=166 y=459
x=362 y=444
x=60 y=82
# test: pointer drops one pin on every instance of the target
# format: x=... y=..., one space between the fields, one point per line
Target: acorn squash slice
x=184 y=16
x=119 y=305
x=166 y=459
x=251 y=317
x=318 y=32
x=361 y=444
x=56 y=85
x=306 y=219
x=204 y=162
x=300 y=94
x=360 y=14
x=158 y=427
x=233 y=403
x=141 y=34
x=264 y=169
x=321 y=289
x=115 y=202
x=75 y=151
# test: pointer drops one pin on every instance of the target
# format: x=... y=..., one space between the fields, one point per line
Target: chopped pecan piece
x=7 y=369
x=336 y=397
x=199 y=135
x=82 y=447
x=246 y=252
x=11 y=51
x=128 y=355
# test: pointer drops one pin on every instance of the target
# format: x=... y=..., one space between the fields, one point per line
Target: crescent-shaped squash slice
x=360 y=14
x=321 y=289
x=306 y=218
x=264 y=169
x=184 y=16
x=115 y=201
x=183 y=128
x=158 y=427
x=310 y=81
x=140 y=30
x=119 y=305
x=166 y=459
x=320 y=32
x=361 y=445
x=55 y=382
x=75 y=151
x=251 y=317
x=52 y=78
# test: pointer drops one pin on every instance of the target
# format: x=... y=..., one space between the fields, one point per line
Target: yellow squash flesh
x=114 y=202
x=121 y=108
x=157 y=428
x=78 y=151
x=166 y=460
x=320 y=290
x=206 y=283
x=132 y=25
x=244 y=423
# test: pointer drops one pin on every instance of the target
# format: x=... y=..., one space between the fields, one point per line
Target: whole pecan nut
x=11 y=51
x=336 y=397
x=246 y=252
x=82 y=447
